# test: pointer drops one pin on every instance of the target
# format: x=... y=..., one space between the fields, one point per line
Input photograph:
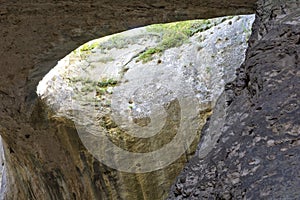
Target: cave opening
x=256 y=155
x=140 y=88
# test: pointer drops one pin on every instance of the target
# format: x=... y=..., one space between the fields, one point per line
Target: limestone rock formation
x=45 y=158
x=109 y=92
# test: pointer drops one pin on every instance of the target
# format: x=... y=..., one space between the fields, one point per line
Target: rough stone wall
x=44 y=157
x=258 y=153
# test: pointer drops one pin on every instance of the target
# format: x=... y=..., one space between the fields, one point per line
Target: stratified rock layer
x=257 y=155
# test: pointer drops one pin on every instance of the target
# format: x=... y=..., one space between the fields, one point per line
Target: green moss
x=102 y=86
x=100 y=91
x=173 y=39
x=177 y=27
x=84 y=50
x=107 y=82
x=89 y=85
x=147 y=55
x=89 y=46
x=173 y=35
x=85 y=47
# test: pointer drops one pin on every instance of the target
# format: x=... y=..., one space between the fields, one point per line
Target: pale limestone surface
x=198 y=69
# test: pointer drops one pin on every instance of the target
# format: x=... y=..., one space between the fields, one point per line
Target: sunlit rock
x=138 y=89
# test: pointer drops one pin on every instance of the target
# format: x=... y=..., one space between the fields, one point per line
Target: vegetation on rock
x=170 y=35
x=175 y=34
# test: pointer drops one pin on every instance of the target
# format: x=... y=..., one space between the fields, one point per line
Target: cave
x=257 y=154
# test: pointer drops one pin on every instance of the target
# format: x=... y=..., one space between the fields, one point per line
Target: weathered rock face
x=257 y=154
x=111 y=94
x=45 y=158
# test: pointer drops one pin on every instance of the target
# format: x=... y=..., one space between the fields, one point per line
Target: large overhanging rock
x=45 y=158
x=140 y=113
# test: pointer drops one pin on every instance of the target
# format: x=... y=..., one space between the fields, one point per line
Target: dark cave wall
x=258 y=153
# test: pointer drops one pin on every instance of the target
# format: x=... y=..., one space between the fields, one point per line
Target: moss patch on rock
x=174 y=35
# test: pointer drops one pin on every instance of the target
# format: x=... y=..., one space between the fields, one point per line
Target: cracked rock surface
x=257 y=154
